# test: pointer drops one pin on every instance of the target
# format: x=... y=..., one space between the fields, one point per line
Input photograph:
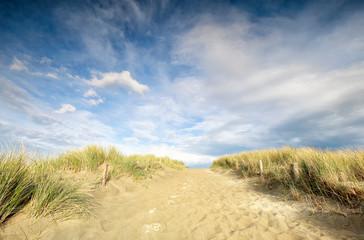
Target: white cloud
x=38 y=74
x=145 y=134
x=95 y=102
x=19 y=100
x=52 y=75
x=242 y=85
x=66 y=108
x=131 y=140
x=90 y=93
x=189 y=158
x=249 y=79
x=18 y=65
x=242 y=69
x=93 y=98
x=76 y=77
x=162 y=109
x=174 y=152
x=144 y=129
x=122 y=79
x=41 y=127
x=45 y=60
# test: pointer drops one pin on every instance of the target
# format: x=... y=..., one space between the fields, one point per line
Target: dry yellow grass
x=38 y=183
x=335 y=174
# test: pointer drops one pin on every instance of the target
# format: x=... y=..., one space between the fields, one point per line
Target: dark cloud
x=336 y=127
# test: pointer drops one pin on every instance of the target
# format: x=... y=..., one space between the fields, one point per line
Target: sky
x=192 y=80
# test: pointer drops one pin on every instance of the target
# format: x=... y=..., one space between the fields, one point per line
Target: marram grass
x=16 y=184
x=59 y=197
x=92 y=157
x=38 y=185
x=88 y=158
x=335 y=174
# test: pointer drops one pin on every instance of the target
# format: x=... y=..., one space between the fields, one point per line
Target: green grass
x=139 y=166
x=40 y=186
x=92 y=157
x=59 y=198
x=335 y=174
x=55 y=195
x=88 y=158
x=16 y=184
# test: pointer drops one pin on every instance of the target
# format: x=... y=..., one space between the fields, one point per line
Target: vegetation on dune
x=92 y=157
x=39 y=185
x=57 y=196
x=335 y=174
x=16 y=183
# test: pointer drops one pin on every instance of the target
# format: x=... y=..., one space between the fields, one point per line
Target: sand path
x=200 y=204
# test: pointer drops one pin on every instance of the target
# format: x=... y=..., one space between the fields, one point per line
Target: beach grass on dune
x=88 y=158
x=39 y=186
x=335 y=174
x=57 y=196
x=92 y=157
x=16 y=184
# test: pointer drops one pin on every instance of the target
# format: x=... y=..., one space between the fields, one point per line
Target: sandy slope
x=195 y=204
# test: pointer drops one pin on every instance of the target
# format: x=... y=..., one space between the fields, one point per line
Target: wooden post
x=261 y=167
x=295 y=171
x=105 y=175
x=237 y=165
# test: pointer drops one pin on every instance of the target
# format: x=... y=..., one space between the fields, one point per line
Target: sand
x=190 y=204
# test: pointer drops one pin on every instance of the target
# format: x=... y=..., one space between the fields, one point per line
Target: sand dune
x=193 y=204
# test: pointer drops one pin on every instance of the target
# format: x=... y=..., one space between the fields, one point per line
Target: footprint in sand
x=174 y=196
x=107 y=225
x=153 y=227
x=170 y=202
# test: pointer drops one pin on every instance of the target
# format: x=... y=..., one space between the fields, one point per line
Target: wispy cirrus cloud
x=18 y=65
x=43 y=128
x=16 y=99
x=52 y=75
x=261 y=79
x=216 y=78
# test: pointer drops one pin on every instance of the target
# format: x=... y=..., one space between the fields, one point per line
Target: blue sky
x=192 y=80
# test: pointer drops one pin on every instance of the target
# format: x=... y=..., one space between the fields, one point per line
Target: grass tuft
x=59 y=198
x=39 y=184
x=16 y=184
x=335 y=174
